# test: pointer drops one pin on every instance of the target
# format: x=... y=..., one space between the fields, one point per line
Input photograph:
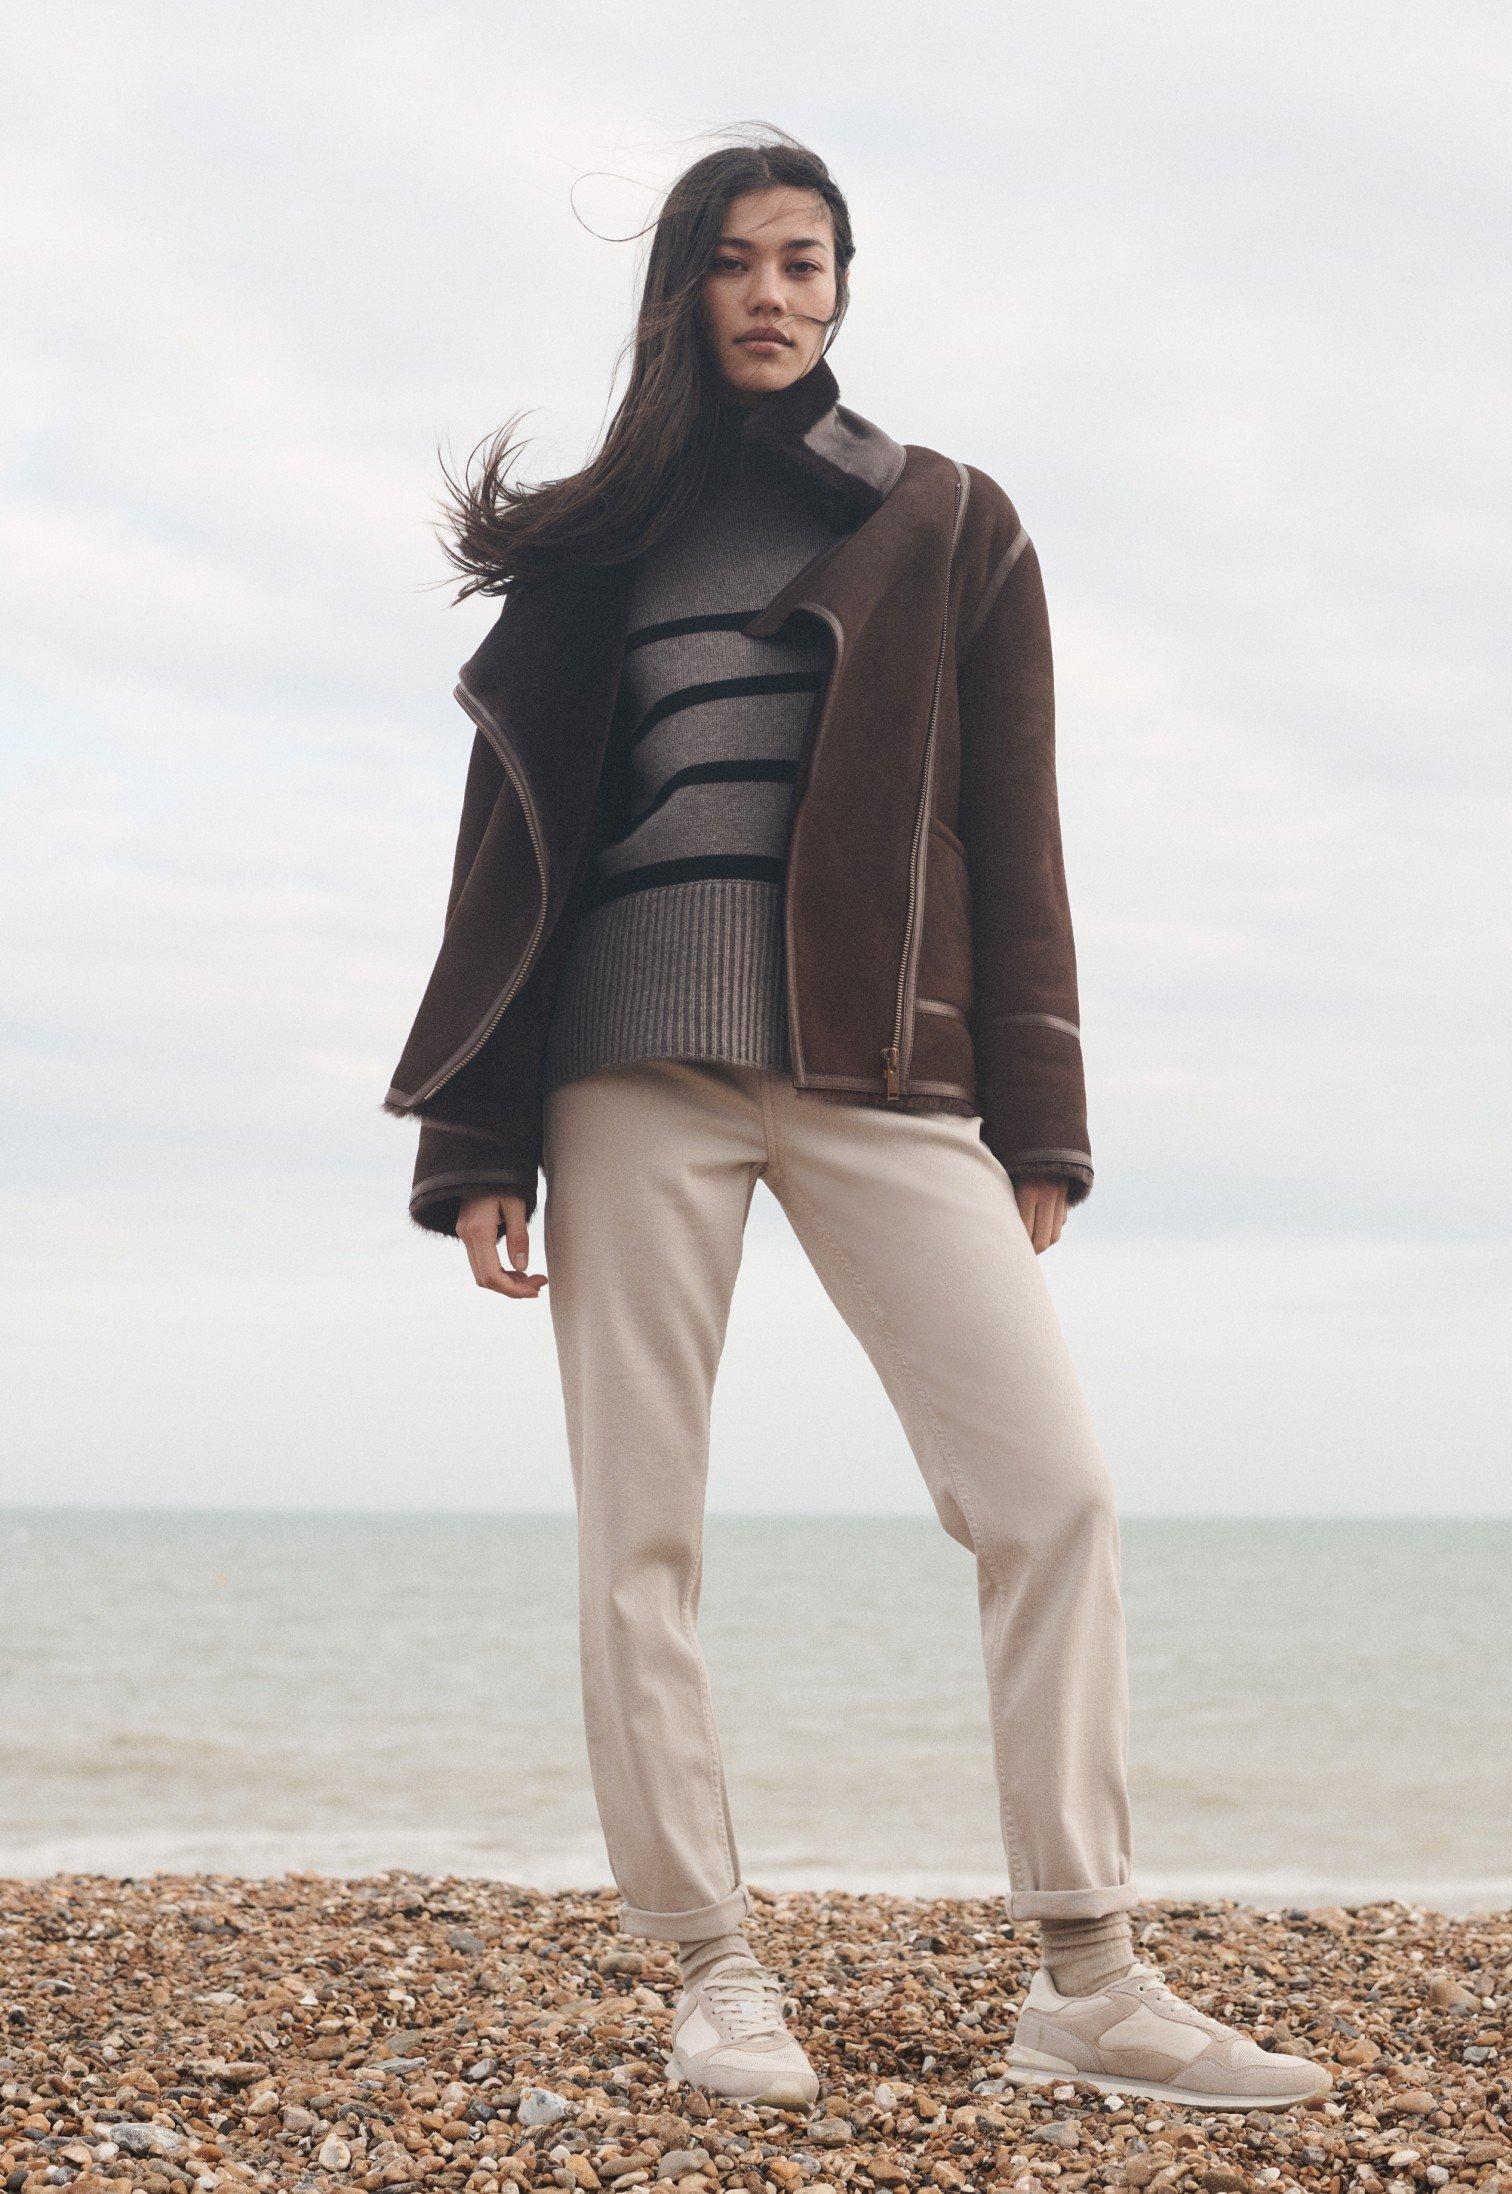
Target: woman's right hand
x=478 y=1224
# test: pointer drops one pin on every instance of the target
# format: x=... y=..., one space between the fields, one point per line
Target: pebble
x=832 y=2132
x=676 y=2162
x=144 y=2140
x=540 y=2106
x=182 y=2034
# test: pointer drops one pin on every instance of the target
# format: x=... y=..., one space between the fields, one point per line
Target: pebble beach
x=301 y=2032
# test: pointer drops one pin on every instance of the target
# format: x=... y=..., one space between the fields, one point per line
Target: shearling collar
x=807 y=425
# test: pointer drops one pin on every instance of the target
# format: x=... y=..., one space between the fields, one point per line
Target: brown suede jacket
x=930 y=960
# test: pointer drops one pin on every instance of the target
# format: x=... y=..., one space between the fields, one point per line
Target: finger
x=477 y=1229
x=516 y=1232
x=488 y=1272
x=481 y=1243
x=479 y=1233
x=1062 y=1205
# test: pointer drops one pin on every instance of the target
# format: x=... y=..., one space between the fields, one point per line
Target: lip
x=764 y=342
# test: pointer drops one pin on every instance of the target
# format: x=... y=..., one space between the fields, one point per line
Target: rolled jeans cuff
x=1071 y=1904
x=689 y=1927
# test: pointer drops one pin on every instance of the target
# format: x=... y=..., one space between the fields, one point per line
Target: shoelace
x=1152 y=1984
x=748 y=2002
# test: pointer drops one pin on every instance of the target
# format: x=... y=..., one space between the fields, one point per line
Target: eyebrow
x=793 y=243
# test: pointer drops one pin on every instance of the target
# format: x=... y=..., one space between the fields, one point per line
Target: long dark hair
x=655 y=451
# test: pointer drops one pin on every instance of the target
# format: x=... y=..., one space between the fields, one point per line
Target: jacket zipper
x=805 y=768
x=893 y=1063
x=488 y=724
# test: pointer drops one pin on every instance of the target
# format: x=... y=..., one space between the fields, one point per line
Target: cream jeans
x=911 y=1224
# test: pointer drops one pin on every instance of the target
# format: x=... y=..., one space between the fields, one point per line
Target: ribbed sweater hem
x=681 y=971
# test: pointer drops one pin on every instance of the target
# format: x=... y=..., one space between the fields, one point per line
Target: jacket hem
x=852 y=1084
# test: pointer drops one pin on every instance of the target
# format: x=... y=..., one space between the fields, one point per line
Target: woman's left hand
x=1042 y=1205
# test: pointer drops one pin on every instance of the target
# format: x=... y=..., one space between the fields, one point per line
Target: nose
x=767 y=295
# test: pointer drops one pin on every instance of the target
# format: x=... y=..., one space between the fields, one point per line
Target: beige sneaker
x=729 y=2036
x=1136 y=2038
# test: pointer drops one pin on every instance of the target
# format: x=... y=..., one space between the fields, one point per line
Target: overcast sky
x=1219 y=296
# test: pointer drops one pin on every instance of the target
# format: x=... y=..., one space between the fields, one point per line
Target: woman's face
x=770 y=288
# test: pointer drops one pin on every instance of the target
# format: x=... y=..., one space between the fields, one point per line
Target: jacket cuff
x=453 y=1165
x=1076 y=1172
x=1033 y=1098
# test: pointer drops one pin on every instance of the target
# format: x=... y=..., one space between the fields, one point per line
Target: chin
x=753 y=372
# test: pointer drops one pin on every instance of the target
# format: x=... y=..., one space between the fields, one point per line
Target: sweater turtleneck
x=733 y=455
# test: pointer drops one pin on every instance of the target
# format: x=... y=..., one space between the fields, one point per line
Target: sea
x=1322 y=1710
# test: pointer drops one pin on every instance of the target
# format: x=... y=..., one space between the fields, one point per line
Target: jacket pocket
x=945 y=964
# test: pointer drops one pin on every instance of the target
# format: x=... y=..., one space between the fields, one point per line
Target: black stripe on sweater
x=672 y=628
x=712 y=773
x=723 y=689
x=760 y=867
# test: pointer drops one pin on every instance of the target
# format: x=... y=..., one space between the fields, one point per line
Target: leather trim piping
x=993 y=585
x=813 y=730
x=1063 y=1157
x=1046 y=1020
x=940 y=1005
x=435 y=1184
x=401 y=1101
x=876 y=1089
x=901 y=1047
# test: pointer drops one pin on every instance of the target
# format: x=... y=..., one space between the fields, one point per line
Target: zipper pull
x=890 y=1062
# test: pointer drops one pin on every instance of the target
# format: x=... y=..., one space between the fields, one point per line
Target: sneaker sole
x=1155 y=2090
x=783 y=2093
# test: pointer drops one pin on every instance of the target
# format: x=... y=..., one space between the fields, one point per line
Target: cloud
x=1208 y=295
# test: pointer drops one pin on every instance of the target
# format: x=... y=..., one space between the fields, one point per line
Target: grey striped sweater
x=678 y=951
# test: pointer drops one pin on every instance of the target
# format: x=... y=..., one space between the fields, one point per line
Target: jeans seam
x=690 y=1631
x=1017 y=1867
x=769 y=1126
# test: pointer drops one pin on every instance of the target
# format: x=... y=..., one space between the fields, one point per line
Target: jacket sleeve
x=1025 y=1016
x=452 y=1162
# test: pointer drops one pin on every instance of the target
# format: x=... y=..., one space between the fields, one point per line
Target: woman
x=759 y=876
